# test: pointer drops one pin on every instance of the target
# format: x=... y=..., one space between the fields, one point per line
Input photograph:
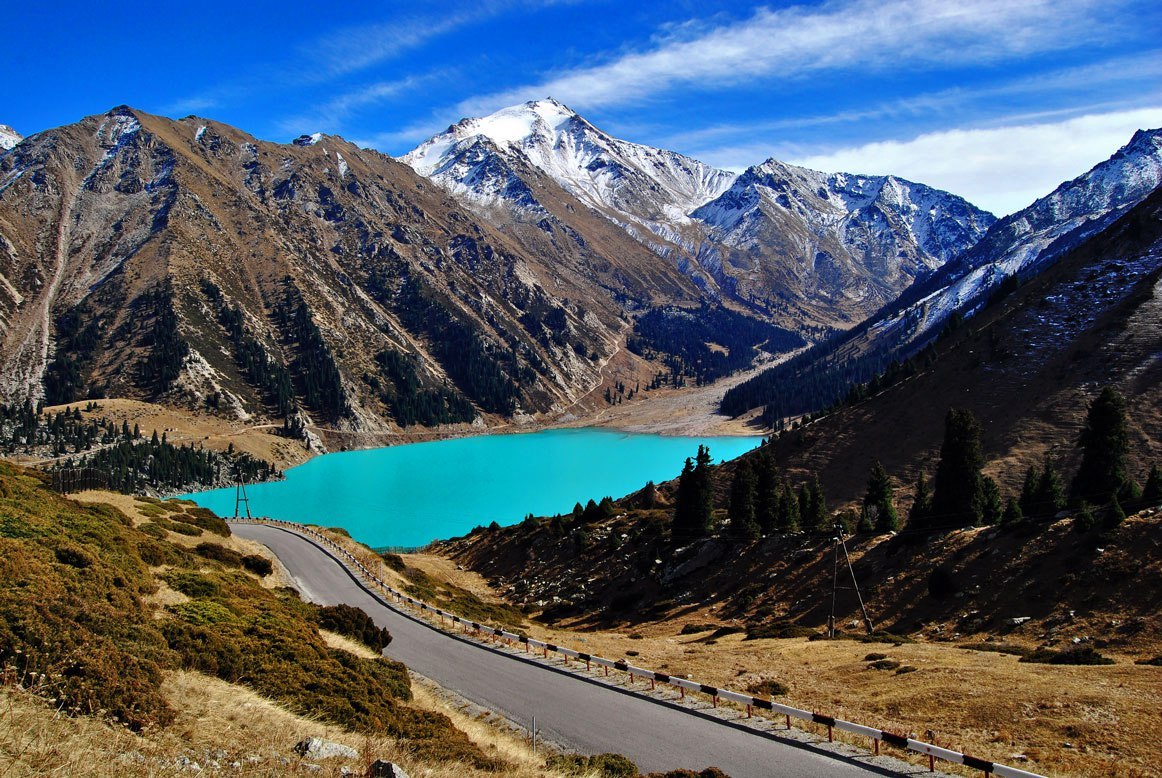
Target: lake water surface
x=412 y=494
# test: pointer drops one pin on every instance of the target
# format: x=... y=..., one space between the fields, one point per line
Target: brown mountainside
x=185 y=261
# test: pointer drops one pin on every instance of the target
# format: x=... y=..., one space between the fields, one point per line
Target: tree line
x=682 y=339
x=259 y=369
x=960 y=495
x=315 y=371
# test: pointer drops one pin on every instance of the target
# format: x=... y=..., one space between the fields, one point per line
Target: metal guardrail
x=683 y=684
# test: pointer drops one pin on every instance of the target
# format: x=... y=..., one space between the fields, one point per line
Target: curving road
x=586 y=716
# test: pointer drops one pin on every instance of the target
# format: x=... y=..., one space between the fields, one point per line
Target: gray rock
x=381 y=768
x=317 y=748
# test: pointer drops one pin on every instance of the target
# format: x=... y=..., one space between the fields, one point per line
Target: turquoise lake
x=413 y=494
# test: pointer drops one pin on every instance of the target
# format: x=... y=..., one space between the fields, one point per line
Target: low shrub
x=768 y=688
x=219 y=553
x=906 y=669
x=1078 y=655
x=191 y=584
x=603 y=765
x=778 y=629
x=695 y=628
x=203 y=518
x=257 y=564
x=1153 y=661
x=884 y=664
x=874 y=657
x=354 y=623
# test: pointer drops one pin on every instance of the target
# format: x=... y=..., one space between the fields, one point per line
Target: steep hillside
x=1019 y=246
x=186 y=262
x=1028 y=368
x=99 y=607
x=843 y=248
x=832 y=247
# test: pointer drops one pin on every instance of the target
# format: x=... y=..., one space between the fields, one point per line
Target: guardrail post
x=682 y=689
x=748 y=712
x=830 y=734
x=715 y=700
x=788 y=721
x=931 y=763
x=653 y=684
x=606 y=672
x=588 y=665
x=877 y=742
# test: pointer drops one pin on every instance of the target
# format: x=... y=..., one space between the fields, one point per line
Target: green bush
x=192 y=584
x=1153 y=661
x=604 y=765
x=219 y=553
x=354 y=623
x=874 y=657
x=257 y=564
x=203 y=518
x=694 y=628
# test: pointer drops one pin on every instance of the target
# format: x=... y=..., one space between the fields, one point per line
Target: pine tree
x=694 y=504
x=879 y=510
x=957 y=497
x=1152 y=492
x=766 y=492
x=818 y=517
x=1105 y=441
x=920 y=515
x=992 y=505
x=1113 y=514
x=789 y=516
x=1012 y=514
x=1029 y=491
x=1049 y=497
x=743 y=523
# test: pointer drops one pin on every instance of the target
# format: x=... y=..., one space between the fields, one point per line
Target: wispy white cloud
x=792 y=43
x=1000 y=169
x=1124 y=75
x=330 y=116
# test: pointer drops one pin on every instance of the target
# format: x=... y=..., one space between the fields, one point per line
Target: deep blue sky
x=995 y=101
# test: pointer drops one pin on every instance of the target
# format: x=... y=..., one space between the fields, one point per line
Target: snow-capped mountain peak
x=9 y=137
x=634 y=185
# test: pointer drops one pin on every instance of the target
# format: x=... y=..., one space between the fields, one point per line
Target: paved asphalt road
x=585 y=716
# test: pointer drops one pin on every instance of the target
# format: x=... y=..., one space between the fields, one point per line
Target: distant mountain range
x=1014 y=248
x=187 y=262
x=806 y=249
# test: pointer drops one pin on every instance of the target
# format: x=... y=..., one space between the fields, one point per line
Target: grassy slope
x=115 y=621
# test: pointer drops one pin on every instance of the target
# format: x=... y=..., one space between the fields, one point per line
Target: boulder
x=317 y=748
x=381 y=768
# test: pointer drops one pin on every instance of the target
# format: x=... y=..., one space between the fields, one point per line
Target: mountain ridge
x=677 y=207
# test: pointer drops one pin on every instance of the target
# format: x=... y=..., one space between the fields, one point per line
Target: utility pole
x=840 y=545
x=240 y=498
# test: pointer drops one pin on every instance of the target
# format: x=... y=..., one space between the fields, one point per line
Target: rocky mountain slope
x=845 y=246
x=188 y=262
x=1028 y=368
x=8 y=137
x=1018 y=245
x=808 y=244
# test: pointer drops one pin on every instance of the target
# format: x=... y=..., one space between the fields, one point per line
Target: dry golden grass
x=984 y=703
x=224 y=725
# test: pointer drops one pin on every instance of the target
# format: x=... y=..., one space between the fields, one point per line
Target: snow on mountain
x=1034 y=237
x=632 y=184
x=858 y=209
x=9 y=137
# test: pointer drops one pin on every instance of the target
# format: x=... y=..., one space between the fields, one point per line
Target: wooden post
x=830 y=734
x=877 y=741
x=748 y=713
x=931 y=763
